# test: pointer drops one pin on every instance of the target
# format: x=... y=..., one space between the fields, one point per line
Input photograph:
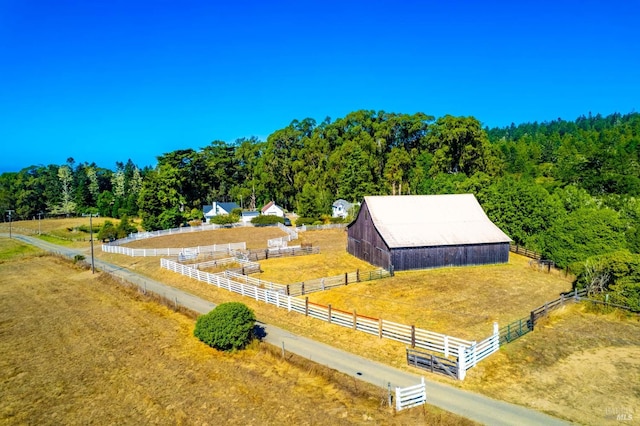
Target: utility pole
x=10 y=212
x=93 y=267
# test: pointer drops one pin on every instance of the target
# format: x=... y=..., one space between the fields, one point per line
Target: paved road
x=473 y=406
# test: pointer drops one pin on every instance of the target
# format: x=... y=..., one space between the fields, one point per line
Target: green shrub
x=266 y=220
x=306 y=221
x=225 y=219
x=107 y=231
x=228 y=327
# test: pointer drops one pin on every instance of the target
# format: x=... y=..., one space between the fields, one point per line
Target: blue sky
x=108 y=80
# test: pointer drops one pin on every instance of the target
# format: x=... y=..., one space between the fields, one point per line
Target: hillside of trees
x=568 y=189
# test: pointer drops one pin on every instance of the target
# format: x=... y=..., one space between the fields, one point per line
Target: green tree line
x=568 y=189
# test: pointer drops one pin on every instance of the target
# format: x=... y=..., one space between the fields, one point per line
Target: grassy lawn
x=77 y=348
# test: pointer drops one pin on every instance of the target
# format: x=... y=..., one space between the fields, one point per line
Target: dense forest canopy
x=568 y=189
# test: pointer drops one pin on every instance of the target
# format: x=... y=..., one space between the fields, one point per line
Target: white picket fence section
x=292 y=232
x=280 y=242
x=411 y=396
x=468 y=353
x=478 y=351
x=304 y=228
x=230 y=247
x=215 y=263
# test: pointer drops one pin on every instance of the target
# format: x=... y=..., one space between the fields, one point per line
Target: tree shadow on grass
x=259 y=332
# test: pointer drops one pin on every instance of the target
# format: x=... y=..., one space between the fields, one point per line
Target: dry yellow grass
x=579 y=365
x=254 y=237
x=76 y=348
x=463 y=302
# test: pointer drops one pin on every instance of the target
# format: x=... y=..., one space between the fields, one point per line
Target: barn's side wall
x=364 y=241
x=440 y=256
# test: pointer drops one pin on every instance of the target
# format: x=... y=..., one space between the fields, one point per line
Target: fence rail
x=433 y=363
x=304 y=228
x=515 y=330
x=271 y=253
x=469 y=353
x=187 y=252
x=515 y=248
x=520 y=327
x=291 y=232
x=321 y=284
x=411 y=396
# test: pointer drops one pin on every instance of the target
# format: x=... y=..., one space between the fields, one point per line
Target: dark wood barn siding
x=439 y=256
x=364 y=241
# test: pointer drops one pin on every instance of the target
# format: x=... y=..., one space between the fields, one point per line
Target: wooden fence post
x=413 y=336
x=380 y=328
x=302 y=288
x=355 y=320
x=533 y=320
x=446 y=346
x=288 y=290
x=329 y=313
x=358 y=275
x=346 y=278
x=306 y=306
x=462 y=365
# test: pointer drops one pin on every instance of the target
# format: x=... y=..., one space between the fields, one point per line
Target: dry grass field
x=578 y=365
x=77 y=349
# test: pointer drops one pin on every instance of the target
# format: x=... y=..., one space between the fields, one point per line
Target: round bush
x=227 y=327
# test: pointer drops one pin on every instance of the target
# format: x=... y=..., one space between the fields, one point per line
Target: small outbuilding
x=425 y=231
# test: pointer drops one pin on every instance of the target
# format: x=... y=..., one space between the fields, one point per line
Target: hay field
x=579 y=365
x=77 y=349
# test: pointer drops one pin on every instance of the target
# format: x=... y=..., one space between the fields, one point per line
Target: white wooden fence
x=151 y=234
x=291 y=232
x=224 y=262
x=468 y=353
x=304 y=228
x=230 y=247
x=411 y=397
x=280 y=242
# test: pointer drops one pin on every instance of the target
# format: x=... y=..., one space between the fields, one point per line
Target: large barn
x=425 y=231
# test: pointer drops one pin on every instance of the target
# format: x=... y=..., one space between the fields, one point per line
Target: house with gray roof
x=425 y=231
x=340 y=208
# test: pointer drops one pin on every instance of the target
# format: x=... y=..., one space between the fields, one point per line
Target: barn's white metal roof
x=432 y=220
